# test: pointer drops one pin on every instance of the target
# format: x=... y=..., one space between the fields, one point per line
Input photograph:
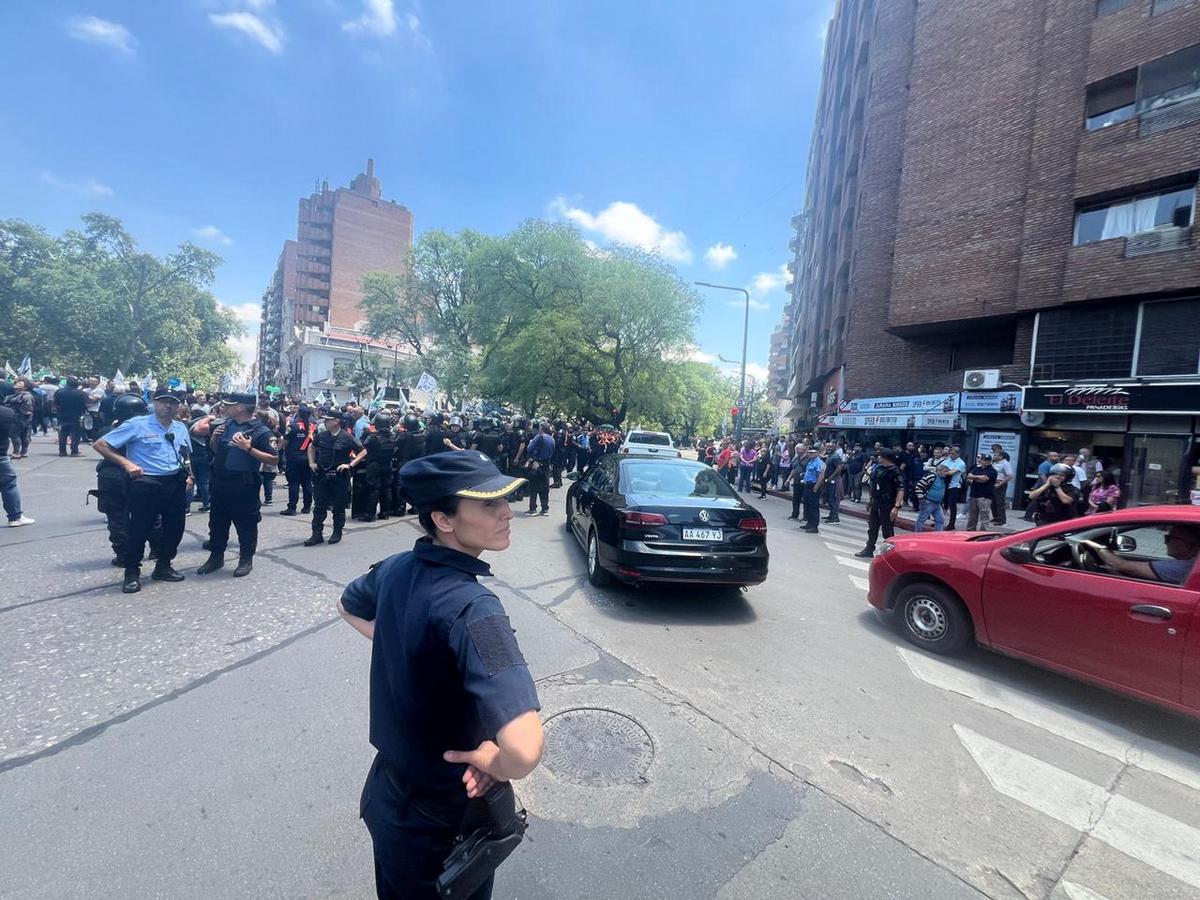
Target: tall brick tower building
x=1001 y=198
x=341 y=235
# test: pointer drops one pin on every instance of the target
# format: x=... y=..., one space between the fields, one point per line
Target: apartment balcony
x=1152 y=262
x=313 y=267
x=307 y=249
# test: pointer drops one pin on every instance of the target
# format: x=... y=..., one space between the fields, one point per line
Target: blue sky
x=680 y=126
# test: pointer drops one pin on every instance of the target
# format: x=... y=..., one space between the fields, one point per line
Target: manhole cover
x=597 y=747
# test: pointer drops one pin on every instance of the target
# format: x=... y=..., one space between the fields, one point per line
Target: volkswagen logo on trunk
x=704 y=515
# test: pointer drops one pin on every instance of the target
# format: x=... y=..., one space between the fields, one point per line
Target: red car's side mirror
x=1021 y=554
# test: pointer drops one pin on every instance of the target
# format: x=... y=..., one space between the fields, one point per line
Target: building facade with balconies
x=1007 y=189
x=341 y=235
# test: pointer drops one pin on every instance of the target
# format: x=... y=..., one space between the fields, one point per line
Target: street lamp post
x=741 y=416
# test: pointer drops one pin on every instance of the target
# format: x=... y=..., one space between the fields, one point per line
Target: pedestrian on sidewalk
x=1004 y=476
x=954 y=487
x=930 y=491
x=8 y=473
x=453 y=707
x=885 y=503
x=746 y=459
x=981 y=492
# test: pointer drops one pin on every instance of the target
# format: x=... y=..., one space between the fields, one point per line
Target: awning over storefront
x=929 y=421
x=1119 y=399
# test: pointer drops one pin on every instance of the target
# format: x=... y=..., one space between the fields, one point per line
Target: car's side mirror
x=1021 y=554
x=1125 y=543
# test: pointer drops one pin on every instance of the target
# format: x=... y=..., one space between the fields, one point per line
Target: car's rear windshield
x=657 y=479
x=649 y=437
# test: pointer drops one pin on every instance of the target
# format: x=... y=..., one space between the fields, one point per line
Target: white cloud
x=768 y=282
x=719 y=255
x=378 y=18
x=246 y=344
x=89 y=187
x=760 y=372
x=624 y=223
x=101 y=31
x=267 y=34
x=213 y=234
x=418 y=35
x=695 y=354
x=754 y=304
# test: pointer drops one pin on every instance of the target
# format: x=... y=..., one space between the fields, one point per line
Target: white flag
x=26 y=367
x=119 y=379
x=427 y=383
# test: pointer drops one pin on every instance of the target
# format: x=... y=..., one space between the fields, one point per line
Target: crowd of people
x=935 y=481
x=163 y=452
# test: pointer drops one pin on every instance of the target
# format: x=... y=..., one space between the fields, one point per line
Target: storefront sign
x=1181 y=399
x=990 y=401
x=1009 y=442
x=902 y=406
x=897 y=423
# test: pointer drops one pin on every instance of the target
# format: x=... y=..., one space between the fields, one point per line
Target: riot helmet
x=1062 y=470
x=411 y=423
x=382 y=422
x=129 y=406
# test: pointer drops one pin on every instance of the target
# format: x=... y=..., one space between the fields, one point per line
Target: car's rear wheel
x=933 y=618
x=597 y=574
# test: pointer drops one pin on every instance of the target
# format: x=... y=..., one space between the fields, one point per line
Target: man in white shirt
x=1081 y=475
x=1004 y=476
x=958 y=468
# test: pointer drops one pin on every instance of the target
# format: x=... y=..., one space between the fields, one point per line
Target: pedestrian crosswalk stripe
x=861 y=583
x=862 y=565
x=1113 y=741
x=1079 y=892
x=839 y=528
x=843 y=546
x=1136 y=830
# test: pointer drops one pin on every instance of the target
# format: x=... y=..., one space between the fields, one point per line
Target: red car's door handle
x=1150 y=609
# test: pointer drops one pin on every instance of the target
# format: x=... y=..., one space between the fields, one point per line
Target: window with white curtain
x=1134 y=215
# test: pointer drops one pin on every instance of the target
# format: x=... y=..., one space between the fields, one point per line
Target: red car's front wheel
x=932 y=617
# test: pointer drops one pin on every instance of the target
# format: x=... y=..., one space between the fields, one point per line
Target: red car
x=1113 y=598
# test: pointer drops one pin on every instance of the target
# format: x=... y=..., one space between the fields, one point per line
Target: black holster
x=490 y=833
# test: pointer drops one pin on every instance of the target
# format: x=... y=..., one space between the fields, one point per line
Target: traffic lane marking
x=1125 y=825
x=1111 y=740
x=853 y=563
x=1079 y=892
x=861 y=583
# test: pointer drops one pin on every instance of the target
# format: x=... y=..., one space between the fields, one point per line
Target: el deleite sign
x=1106 y=398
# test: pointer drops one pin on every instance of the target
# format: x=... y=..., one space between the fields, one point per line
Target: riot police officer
x=514 y=446
x=331 y=456
x=887 y=499
x=410 y=445
x=453 y=707
x=487 y=441
x=112 y=482
x=380 y=445
x=240 y=444
x=298 y=435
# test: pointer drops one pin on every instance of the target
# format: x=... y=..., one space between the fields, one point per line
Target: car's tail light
x=758 y=526
x=642 y=519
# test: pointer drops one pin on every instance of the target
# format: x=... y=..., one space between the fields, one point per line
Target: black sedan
x=643 y=519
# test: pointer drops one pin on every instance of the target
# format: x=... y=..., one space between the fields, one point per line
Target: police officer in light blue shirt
x=156 y=448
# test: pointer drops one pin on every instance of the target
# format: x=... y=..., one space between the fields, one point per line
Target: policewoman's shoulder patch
x=496 y=643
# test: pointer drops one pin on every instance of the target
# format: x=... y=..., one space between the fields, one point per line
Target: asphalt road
x=208 y=739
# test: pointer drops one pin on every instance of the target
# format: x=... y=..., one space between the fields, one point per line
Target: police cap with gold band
x=458 y=473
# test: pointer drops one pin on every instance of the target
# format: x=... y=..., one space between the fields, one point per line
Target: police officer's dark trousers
x=378 y=491
x=332 y=490
x=411 y=834
x=299 y=479
x=812 y=506
x=880 y=517
x=797 y=498
x=151 y=497
x=539 y=485
x=234 y=502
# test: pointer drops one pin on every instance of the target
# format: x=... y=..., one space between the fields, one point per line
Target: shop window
x=1085 y=342
x=1112 y=100
x=1171 y=208
x=1170 y=338
x=1104 y=7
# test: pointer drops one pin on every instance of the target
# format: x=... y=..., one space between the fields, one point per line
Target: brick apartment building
x=341 y=235
x=997 y=236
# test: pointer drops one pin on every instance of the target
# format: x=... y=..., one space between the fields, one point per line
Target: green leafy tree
x=91 y=302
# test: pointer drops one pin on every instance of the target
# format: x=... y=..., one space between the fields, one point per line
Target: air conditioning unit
x=981 y=379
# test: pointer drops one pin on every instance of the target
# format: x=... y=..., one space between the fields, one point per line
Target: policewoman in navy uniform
x=240 y=444
x=453 y=706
